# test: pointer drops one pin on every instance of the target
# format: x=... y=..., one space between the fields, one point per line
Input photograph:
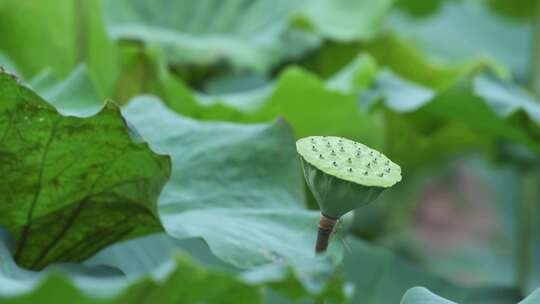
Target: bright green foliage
x=69 y=182
x=344 y=175
x=57 y=35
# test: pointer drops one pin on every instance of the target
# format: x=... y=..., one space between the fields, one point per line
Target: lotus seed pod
x=344 y=175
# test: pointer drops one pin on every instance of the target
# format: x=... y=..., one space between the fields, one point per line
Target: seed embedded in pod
x=341 y=180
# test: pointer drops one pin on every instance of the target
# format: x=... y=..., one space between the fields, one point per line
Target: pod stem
x=326 y=225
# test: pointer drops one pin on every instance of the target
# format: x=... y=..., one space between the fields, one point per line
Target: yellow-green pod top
x=344 y=175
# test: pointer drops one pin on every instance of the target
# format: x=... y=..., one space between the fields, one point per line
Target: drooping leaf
x=70 y=187
x=254 y=214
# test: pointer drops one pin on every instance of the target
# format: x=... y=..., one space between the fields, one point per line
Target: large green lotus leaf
x=58 y=34
x=465 y=30
x=247 y=34
x=314 y=278
x=380 y=277
x=179 y=279
x=70 y=187
x=237 y=186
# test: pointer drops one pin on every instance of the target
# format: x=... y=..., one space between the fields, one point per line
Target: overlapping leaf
x=69 y=185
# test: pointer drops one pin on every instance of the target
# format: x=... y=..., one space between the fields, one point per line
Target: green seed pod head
x=344 y=175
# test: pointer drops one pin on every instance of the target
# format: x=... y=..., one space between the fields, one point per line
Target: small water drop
x=320 y=156
x=313 y=148
x=365 y=173
x=334 y=163
x=333 y=153
x=380 y=174
x=341 y=149
x=387 y=170
x=350 y=170
x=349 y=160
